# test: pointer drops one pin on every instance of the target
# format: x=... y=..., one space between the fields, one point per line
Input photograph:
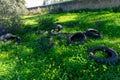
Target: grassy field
x=65 y=61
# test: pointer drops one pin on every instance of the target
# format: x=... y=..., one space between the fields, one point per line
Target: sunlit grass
x=67 y=17
x=29 y=16
x=65 y=61
x=31 y=22
x=7 y=64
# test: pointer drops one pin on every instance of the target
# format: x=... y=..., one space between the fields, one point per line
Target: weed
x=63 y=62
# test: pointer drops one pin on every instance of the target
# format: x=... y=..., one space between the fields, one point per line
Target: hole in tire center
x=95 y=32
x=102 y=54
x=12 y=40
x=56 y=30
x=45 y=42
x=77 y=38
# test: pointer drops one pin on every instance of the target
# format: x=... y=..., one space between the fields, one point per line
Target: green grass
x=101 y=54
x=65 y=61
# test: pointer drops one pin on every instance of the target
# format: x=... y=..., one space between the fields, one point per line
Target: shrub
x=10 y=12
x=46 y=23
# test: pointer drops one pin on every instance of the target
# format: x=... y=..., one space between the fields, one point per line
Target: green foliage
x=101 y=54
x=10 y=11
x=116 y=10
x=65 y=61
x=46 y=22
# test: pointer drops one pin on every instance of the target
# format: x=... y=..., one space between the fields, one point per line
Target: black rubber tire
x=18 y=40
x=93 y=33
x=75 y=36
x=58 y=27
x=47 y=40
x=113 y=56
x=9 y=36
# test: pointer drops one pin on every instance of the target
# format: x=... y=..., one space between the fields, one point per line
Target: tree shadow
x=63 y=61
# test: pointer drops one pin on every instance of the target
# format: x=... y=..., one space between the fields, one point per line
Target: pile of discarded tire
x=46 y=43
x=93 y=33
x=81 y=38
x=5 y=37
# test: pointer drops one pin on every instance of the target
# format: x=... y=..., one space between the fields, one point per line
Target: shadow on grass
x=28 y=61
x=66 y=62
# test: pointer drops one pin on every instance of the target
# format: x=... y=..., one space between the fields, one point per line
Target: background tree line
x=10 y=12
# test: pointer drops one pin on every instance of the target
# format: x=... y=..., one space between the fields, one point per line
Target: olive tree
x=10 y=11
